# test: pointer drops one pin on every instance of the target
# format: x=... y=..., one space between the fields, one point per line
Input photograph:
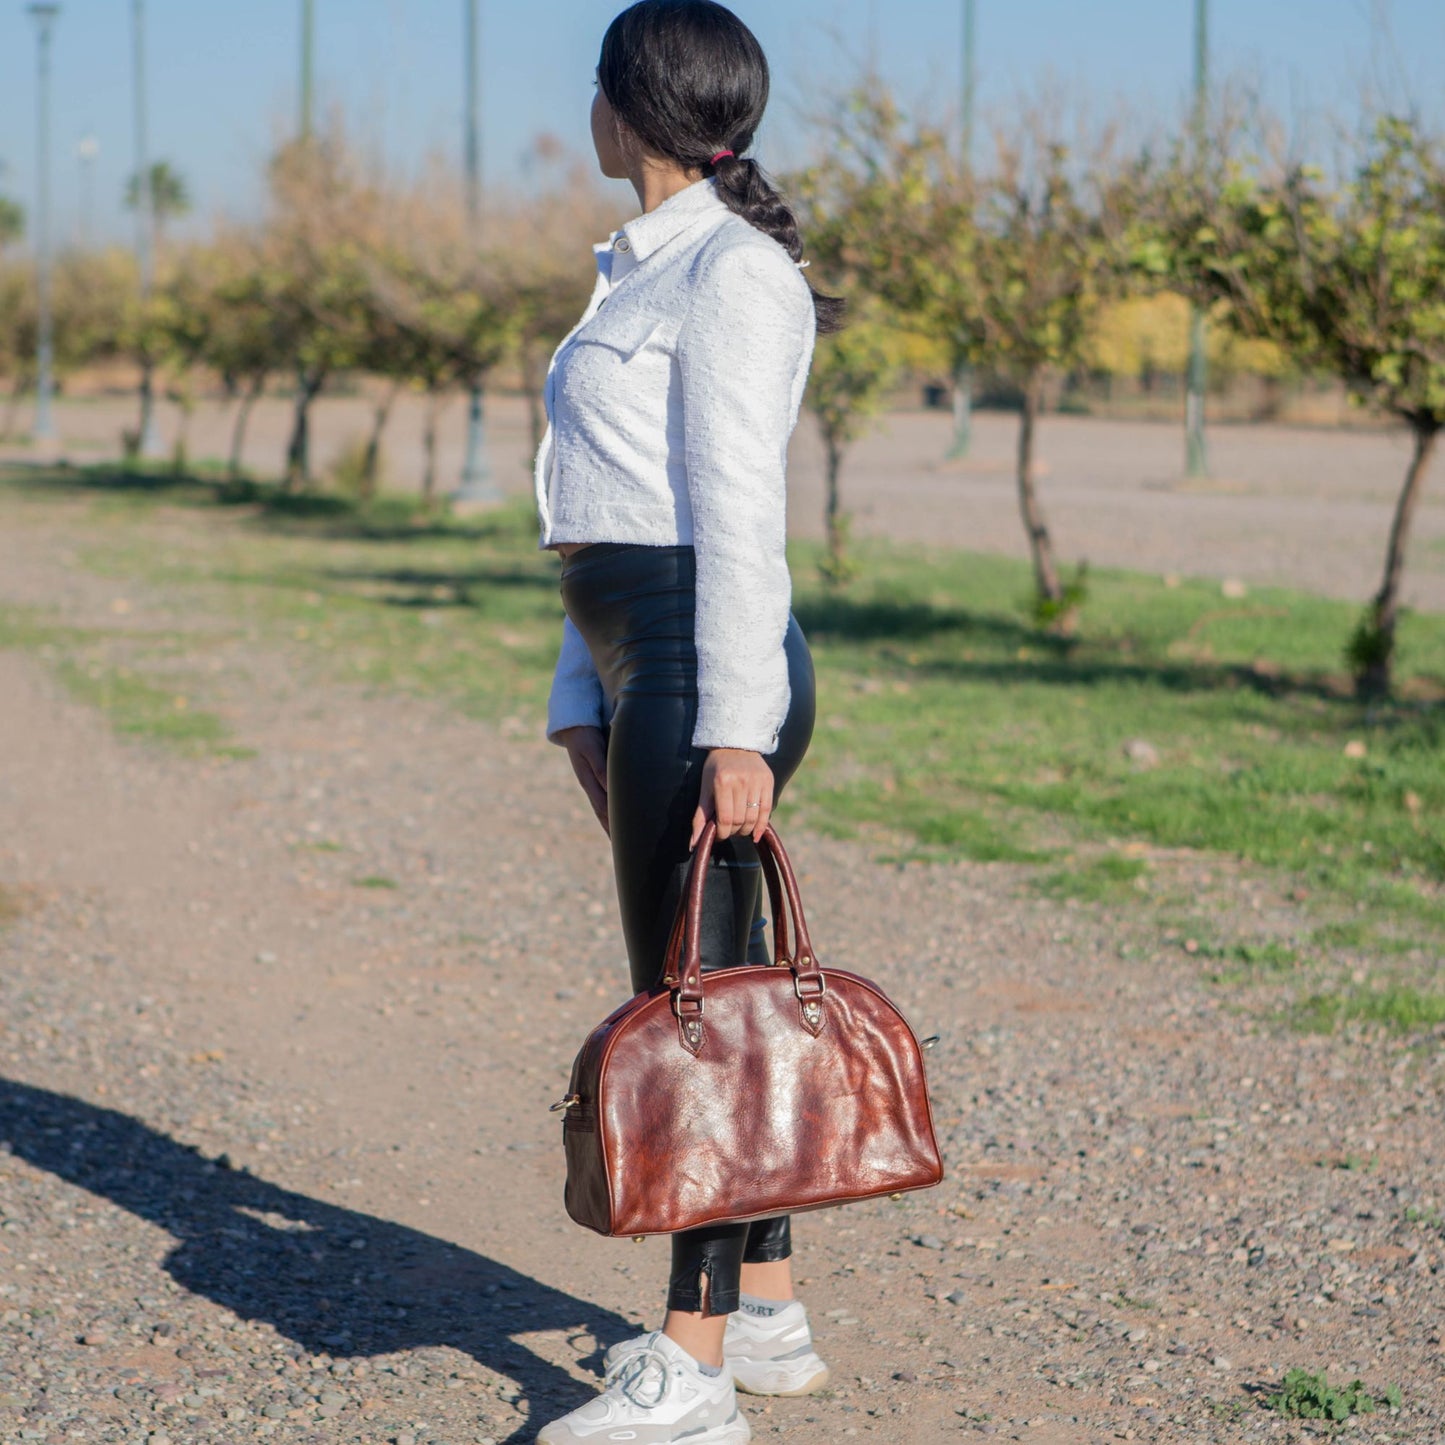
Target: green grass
x=949 y=726
x=136 y=702
x=376 y=880
x=138 y=708
x=1100 y=880
x=1400 y=1008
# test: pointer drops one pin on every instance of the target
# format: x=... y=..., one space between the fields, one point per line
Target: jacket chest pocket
x=626 y=333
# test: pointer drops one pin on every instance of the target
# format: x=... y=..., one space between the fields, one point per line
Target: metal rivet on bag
x=638 y=1238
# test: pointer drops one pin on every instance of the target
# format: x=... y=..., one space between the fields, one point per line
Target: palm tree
x=169 y=195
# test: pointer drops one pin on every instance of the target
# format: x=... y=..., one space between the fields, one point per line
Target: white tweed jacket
x=670 y=405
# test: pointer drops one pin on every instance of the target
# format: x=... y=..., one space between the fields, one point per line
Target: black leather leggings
x=634 y=606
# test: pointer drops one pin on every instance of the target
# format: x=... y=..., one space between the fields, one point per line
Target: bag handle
x=777 y=904
x=682 y=969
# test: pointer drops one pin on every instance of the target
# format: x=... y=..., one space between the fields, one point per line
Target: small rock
x=1222 y=1362
x=1233 y=588
x=1142 y=753
x=276 y=1409
x=928 y=1241
x=406 y=1438
x=1137 y=1337
x=955 y=1297
x=1152 y=1367
x=907 y=1377
x=95 y=1337
x=265 y=956
x=1356 y=748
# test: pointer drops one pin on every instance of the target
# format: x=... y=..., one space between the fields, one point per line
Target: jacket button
x=623 y=244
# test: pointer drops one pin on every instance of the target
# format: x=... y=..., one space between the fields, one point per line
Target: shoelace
x=643 y=1377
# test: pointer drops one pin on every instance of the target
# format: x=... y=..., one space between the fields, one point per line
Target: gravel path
x=279 y=1164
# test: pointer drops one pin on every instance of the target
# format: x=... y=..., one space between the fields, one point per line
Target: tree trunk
x=533 y=382
x=180 y=457
x=17 y=395
x=962 y=411
x=371 y=462
x=429 y=444
x=147 y=404
x=298 y=453
x=1373 y=677
x=238 y=432
x=1041 y=549
x=836 y=569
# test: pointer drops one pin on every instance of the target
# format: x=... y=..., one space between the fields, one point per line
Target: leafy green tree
x=1348 y=281
x=445 y=321
x=313 y=272
x=241 y=340
x=1007 y=267
x=19 y=330
x=854 y=371
x=12 y=222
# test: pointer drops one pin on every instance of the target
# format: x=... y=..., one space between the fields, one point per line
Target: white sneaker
x=768 y=1354
x=773 y=1354
x=655 y=1395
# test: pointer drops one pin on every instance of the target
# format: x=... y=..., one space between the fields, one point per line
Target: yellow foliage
x=1151 y=334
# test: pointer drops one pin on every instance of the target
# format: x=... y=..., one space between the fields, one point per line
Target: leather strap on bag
x=682 y=968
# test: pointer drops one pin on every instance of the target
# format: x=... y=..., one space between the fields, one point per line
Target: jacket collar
x=688 y=208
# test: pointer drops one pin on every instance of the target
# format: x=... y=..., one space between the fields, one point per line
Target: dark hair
x=690 y=80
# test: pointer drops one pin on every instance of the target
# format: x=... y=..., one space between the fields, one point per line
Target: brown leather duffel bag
x=779 y=1088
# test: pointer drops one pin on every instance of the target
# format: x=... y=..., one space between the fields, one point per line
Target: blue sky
x=223 y=73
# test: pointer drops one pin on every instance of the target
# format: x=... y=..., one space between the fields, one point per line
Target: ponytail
x=744 y=186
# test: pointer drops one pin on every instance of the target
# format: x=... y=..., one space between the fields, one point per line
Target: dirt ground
x=278 y=1162
x=1291 y=506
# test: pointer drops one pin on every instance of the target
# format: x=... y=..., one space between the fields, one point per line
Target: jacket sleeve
x=576 y=699
x=742 y=357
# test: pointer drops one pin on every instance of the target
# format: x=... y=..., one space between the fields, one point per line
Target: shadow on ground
x=323 y=515
x=1084 y=661
x=268 y=1253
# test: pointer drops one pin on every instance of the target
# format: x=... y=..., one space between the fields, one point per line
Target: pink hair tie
x=719 y=156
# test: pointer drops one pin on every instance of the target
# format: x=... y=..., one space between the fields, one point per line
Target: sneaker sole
x=735 y=1431
x=810 y=1386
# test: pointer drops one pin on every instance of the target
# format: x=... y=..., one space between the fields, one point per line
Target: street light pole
x=963 y=373
x=1196 y=456
x=476 y=484
x=308 y=58
x=43 y=431
x=149 y=438
x=87 y=148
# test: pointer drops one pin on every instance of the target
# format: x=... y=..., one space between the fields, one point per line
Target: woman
x=684 y=689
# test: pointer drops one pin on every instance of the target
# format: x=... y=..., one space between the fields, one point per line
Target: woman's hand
x=587 y=749
x=737 y=789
